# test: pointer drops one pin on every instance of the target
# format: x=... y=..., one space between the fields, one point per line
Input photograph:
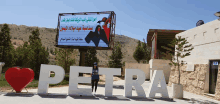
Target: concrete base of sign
x=177 y=91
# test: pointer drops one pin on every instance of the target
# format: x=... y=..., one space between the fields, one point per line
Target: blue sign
x=84 y=30
x=215 y=63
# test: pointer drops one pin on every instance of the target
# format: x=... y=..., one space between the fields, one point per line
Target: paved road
x=118 y=92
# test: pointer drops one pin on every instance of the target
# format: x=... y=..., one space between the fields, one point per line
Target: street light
x=218 y=14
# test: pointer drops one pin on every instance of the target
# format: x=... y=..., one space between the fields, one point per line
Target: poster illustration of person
x=101 y=33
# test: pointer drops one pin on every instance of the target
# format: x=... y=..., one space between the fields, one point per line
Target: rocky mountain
x=20 y=33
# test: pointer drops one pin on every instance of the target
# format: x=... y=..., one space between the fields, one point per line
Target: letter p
x=45 y=78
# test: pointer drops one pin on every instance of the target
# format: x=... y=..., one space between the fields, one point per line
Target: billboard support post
x=82 y=58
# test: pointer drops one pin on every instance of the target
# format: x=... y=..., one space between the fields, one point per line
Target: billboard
x=84 y=30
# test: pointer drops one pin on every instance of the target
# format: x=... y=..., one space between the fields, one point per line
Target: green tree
x=21 y=54
x=116 y=57
x=146 y=52
x=182 y=50
x=138 y=53
x=35 y=36
x=64 y=59
x=91 y=57
x=37 y=54
x=7 y=49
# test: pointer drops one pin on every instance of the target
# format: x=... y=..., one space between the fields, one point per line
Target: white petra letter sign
x=158 y=77
x=45 y=78
x=75 y=79
x=129 y=82
x=109 y=72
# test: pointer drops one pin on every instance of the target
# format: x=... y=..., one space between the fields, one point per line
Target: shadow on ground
x=114 y=97
x=85 y=97
x=166 y=99
x=53 y=95
x=99 y=96
x=141 y=98
x=20 y=94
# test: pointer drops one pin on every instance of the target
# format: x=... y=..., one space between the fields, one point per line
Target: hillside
x=20 y=33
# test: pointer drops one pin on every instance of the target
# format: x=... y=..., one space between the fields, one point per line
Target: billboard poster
x=84 y=30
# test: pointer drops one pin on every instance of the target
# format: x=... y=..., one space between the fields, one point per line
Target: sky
x=134 y=18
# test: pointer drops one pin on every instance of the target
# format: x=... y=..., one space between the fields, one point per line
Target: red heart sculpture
x=19 y=78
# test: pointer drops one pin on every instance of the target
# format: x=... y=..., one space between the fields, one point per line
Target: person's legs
x=92 y=85
x=96 y=84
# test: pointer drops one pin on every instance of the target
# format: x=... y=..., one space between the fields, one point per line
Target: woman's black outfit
x=95 y=78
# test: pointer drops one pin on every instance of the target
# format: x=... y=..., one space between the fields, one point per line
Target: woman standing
x=95 y=76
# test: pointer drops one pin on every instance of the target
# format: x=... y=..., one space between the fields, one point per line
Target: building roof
x=163 y=35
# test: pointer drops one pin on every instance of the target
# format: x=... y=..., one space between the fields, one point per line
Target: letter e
x=109 y=72
x=75 y=79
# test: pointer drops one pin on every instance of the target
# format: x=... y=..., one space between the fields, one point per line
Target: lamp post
x=218 y=15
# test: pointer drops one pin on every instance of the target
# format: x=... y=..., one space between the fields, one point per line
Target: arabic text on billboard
x=84 y=30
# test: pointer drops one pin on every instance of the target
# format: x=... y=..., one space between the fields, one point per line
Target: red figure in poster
x=105 y=26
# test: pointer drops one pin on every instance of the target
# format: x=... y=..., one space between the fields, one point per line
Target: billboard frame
x=112 y=30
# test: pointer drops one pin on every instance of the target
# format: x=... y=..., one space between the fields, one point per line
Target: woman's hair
x=96 y=29
x=93 y=67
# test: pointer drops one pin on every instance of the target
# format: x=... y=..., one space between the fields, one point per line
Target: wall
x=206 y=42
x=193 y=81
x=160 y=64
x=217 y=89
x=143 y=67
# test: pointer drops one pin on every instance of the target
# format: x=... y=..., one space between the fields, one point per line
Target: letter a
x=158 y=76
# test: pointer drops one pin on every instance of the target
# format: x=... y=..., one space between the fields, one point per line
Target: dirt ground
x=102 y=82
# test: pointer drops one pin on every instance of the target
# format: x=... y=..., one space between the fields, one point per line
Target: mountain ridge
x=48 y=36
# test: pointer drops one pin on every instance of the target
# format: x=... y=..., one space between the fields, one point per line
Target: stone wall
x=192 y=81
x=217 y=89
